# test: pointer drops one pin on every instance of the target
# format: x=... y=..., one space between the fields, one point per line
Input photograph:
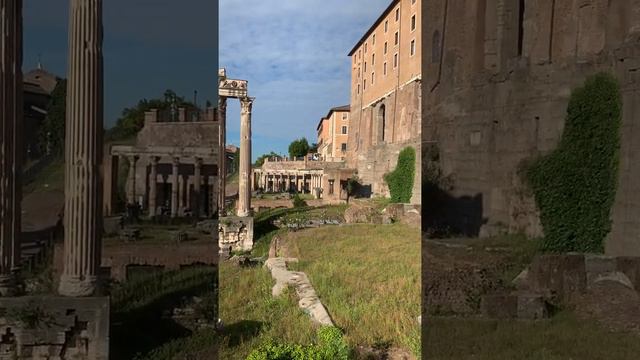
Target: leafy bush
x=331 y=346
x=575 y=186
x=298 y=202
x=400 y=180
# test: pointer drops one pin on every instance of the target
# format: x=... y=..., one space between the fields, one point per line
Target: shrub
x=298 y=202
x=400 y=180
x=331 y=346
x=574 y=186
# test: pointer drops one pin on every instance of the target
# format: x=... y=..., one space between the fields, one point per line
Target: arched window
x=435 y=47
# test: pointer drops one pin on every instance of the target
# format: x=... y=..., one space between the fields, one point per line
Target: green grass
x=51 y=178
x=368 y=277
x=252 y=316
x=562 y=337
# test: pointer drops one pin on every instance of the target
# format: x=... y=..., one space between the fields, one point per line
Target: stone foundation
x=235 y=233
x=54 y=328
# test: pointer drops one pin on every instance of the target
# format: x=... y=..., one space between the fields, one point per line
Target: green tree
x=51 y=136
x=298 y=148
x=132 y=119
x=260 y=160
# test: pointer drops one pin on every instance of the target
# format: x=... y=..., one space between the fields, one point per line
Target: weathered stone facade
x=498 y=78
x=386 y=97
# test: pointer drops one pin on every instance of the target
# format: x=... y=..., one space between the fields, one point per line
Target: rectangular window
x=395 y=60
x=384 y=68
x=373 y=78
x=373 y=59
x=397 y=38
x=331 y=187
x=344 y=130
x=386 y=25
x=365 y=66
x=364 y=84
x=365 y=48
x=413 y=22
x=358 y=91
x=385 y=47
x=412 y=51
x=343 y=147
x=373 y=39
x=397 y=14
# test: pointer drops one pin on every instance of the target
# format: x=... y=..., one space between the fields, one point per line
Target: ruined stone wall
x=373 y=150
x=179 y=134
x=496 y=94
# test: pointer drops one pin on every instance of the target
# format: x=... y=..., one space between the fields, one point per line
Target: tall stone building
x=386 y=90
x=499 y=76
x=333 y=131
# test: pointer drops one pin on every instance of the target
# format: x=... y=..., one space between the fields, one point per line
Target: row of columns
x=10 y=142
x=177 y=188
x=275 y=182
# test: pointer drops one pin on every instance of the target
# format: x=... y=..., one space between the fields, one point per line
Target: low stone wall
x=117 y=258
x=235 y=233
x=57 y=328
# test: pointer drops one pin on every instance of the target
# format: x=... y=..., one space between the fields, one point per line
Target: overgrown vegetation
x=330 y=346
x=260 y=160
x=575 y=185
x=401 y=180
x=299 y=148
x=132 y=119
x=51 y=134
x=298 y=202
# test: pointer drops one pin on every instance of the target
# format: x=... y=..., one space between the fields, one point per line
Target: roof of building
x=375 y=24
x=42 y=78
x=332 y=110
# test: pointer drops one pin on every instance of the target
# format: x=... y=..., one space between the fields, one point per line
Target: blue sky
x=149 y=46
x=294 y=53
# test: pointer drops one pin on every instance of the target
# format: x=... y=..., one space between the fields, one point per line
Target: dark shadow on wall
x=445 y=215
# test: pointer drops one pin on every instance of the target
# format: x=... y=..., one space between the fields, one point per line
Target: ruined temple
x=498 y=77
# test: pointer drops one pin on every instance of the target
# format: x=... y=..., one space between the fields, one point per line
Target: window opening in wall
x=435 y=47
x=373 y=78
x=413 y=22
x=344 y=130
x=343 y=147
x=373 y=59
x=385 y=47
x=373 y=39
x=384 y=68
x=386 y=25
x=382 y=122
x=520 y=27
x=397 y=14
x=412 y=50
x=395 y=60
x=397 y=38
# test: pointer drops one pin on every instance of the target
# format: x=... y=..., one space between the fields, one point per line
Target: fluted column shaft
x=174 y=188
x=131 y=180
x=83 y=151
x=153 y=186
x=197 y=180
x=244 y=191
x=10 y=142
x=222 y=167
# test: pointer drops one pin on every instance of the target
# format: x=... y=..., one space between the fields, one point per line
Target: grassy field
x=560 y=338
x=368 y=277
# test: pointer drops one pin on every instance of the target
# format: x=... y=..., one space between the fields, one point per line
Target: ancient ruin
x=236 y=232
x=499 y=76
x=10 y=143
x=77 y=323
x=173 y=165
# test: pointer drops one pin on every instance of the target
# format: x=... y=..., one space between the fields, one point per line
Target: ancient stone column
x=197 y=180
x=10 y=142
x=174 y=187
x=244 y=191
x=83 y=151
x=222 y=167
x=181 y=195
x=131 y=179
x=153 y=186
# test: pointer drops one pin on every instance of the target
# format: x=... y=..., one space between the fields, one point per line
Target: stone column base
x=235 y=233
x=78 y=328
x=75 y=286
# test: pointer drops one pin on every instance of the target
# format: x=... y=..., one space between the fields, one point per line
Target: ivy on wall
x=400 y=181
x=574 y=186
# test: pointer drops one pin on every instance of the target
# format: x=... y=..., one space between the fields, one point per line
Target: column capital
x=198 y=162
x=154 y=160
x=246 y=104
x=176 y=161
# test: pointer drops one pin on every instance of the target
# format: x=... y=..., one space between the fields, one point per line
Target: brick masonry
x=496 y=93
